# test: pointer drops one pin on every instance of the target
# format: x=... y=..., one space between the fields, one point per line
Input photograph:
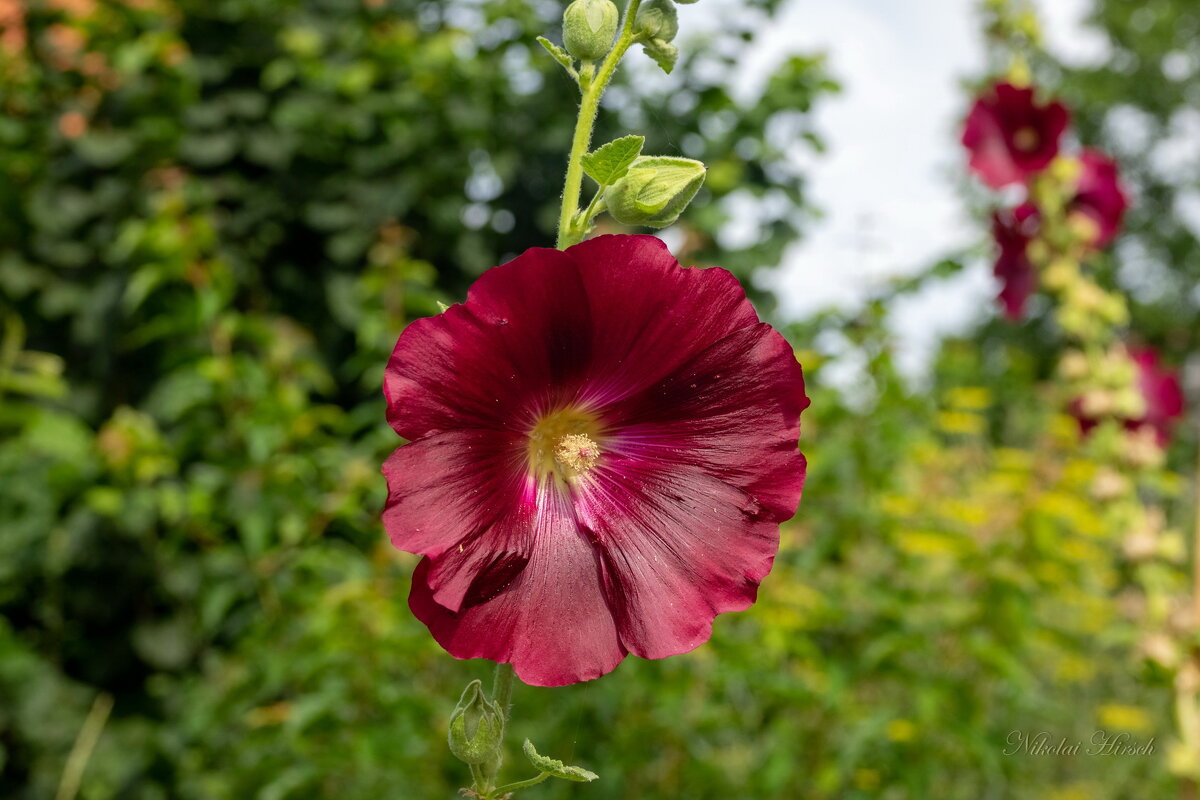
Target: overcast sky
x=885 y=185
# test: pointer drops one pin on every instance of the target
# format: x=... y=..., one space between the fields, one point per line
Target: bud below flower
x=589 y=27
x=655 y=191
x=476 y=726
x=657 y=19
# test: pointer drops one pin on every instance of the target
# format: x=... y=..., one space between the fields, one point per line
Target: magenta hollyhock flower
x=602 y=447
x=1013 y=229
x=1099 y=198
x=1160 y=389
x=1010 y=136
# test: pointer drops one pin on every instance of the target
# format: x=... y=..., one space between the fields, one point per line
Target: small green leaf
x=608 y=163
x=556 y=767
x=664 y=53
x=560 y=55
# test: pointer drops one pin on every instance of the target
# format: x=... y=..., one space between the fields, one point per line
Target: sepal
x=664 y=54
x=656 y=19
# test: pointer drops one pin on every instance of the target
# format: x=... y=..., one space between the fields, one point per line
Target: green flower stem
x=595 y=207
x=569 y=232
x=510 y=787
x=502 y=686
x=477 y=779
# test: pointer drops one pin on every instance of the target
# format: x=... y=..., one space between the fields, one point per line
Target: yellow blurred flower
x=901 y=730
x=969 y=398
x=961 y=422
x=1123 y=717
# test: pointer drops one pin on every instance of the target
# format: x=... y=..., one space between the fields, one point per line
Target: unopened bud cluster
x=590 y=29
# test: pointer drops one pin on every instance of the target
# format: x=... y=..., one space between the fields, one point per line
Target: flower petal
x=551 y=620
x=520 y=338
x=732 y=410
x=648 y=315
x=447 y=488
x=1012 y=230
x=1100 y=196
x=679 y=548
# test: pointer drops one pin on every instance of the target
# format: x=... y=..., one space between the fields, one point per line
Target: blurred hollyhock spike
x=1013 y=229
x=602 y=447
x=1159 y=392
x=1010 y=136
x=1099 y=204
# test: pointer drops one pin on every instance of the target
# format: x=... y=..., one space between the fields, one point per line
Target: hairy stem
x=589 y=105
x=522 y=784
x=502 y=685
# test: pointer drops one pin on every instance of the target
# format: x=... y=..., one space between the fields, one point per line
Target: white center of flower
x=575 y=453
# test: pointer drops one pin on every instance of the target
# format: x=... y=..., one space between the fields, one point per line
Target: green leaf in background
x=608 y=163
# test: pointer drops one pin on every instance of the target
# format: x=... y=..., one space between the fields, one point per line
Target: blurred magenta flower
x=602 y=447
x=1010 y=136
x=1160 y=389
x=1099 y=200
x=1013 y=229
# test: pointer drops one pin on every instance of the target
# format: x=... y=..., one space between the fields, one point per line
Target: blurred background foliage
x=215 y=218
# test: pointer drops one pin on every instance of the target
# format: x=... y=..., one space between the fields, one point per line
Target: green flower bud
x=655 y=191
x=476 y=726
x=589 y=27
x=657 y=19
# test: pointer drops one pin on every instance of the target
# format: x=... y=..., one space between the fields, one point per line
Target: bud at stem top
x=589 y=27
